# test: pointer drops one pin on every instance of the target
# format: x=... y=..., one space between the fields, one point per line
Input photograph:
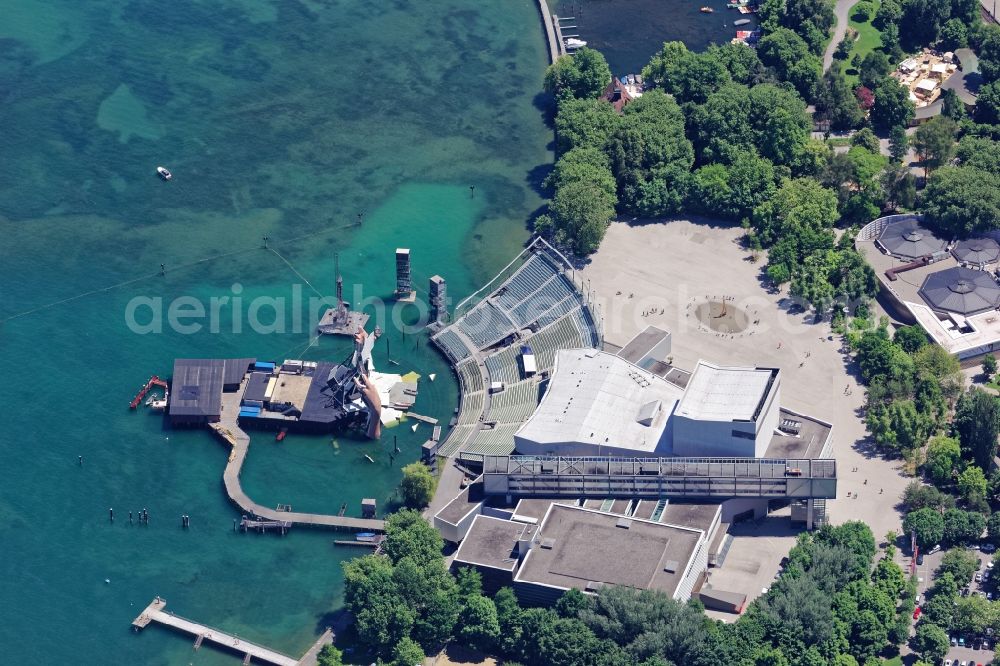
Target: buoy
x=107 y=581
x=431 y=376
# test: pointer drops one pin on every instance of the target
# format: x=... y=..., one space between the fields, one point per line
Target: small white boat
x=574 y=43
x=432 y=376
x=414 y=428
x=164 y=173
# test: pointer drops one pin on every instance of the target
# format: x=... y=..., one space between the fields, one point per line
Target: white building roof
x=599 y=398
x=716 y=393
x=927 y=84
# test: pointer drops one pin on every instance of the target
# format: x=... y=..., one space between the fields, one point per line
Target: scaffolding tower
x=404 y=286
x=438 y=299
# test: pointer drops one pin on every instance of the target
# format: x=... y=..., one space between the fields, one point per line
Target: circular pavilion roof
x=906 y=239
x=961 y=290
x=977 y=251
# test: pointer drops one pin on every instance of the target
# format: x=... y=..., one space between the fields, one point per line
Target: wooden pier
x=229 y=430
x=420 y=417
x=155 y=612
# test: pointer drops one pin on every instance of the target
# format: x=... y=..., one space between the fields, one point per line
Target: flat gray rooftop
x=693 y=515
x=636 y=348
x=196 y=387
x=463 y=503
x=491 y=542
x=717 y=393
x=809 y=443
x=577 y=547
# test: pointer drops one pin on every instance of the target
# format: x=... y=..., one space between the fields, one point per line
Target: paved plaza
x=665 y=274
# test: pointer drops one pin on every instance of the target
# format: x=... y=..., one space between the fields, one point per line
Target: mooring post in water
x=111 y=515
x=129 y=517
x=80 y=458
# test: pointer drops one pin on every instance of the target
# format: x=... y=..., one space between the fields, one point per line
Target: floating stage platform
x=341 y=321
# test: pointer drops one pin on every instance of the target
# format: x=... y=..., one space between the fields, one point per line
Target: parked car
x=916 y=613
x=954 y=641
x=979 y=577
x=920 y=558
x=935 y=549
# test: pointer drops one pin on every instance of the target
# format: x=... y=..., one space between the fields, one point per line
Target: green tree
x=989 y=366
x=918 y=496
x=835 y=101
x=582 y=212
x=407 y=653
x=651 y=156
x=863 y=11
x=899 y=143
x=972 y=615
x=583 y=165
x=865 y=138
x=930 y=642
x=571 y=603
x=993 y=528
x=977 y=422
x=733 y=190
x=952 y=106
x=330 y=656
x=910 y=338
x=892 y=106
x=927 y=524
x=972 y=483
x=479 y=626
x=407 y=534
x=585 y=74
x=509 y=618
x=900 y=187
x=874 y=66
x=943 y=454
x=934 y=142
x=790 y=57
x=963 y=527
x=417 y=486
x=799 y=208
x=954 y=35
x=961 y=564
x=767 y=119
x=740 y=61
x=962 y=200
x=934 y=361
x=584 y=123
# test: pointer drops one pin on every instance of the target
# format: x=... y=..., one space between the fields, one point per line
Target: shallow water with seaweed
x=278 y=118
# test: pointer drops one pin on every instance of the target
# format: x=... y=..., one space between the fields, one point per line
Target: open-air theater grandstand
x=536 y=300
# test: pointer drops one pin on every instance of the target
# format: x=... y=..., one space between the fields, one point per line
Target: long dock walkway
x=229 y=430
x=550 y=34
x=155 y=612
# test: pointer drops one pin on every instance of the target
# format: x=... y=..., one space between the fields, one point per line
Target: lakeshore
x=261 y=140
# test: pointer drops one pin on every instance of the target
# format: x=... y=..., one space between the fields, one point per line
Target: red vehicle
x=916 y=613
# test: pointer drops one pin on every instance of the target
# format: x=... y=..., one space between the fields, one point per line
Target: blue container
x=263 y=365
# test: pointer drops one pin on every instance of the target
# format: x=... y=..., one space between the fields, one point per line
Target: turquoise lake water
x=278 y=118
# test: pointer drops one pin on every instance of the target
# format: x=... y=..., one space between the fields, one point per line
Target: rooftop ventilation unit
x=647 y=413
x=594 y=586
x=624 y=523
x=547 y=544
x=670 y=566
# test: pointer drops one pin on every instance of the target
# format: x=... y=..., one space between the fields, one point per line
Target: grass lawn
x=895 y=661
x=869 y=39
